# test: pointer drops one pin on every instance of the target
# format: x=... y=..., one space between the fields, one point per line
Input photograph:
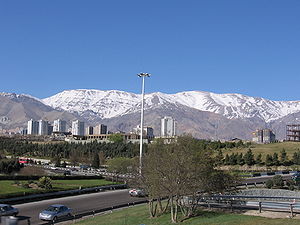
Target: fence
x=277 y=204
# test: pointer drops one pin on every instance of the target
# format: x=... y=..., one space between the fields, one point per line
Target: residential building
x=168 y=127
x=263 y=136
x=89 y=130
x=32 y=127
x=293 y=132
x=23 y=131
x=43 y=127
x=50 y=129
x=59 y=126
x=147 y=131
x=100 y=129
x=78 y=128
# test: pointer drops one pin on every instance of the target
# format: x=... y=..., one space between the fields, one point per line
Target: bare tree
x=175 y=171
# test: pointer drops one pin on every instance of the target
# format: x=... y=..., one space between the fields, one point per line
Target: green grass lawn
x=139 y=215
x=74 y=184
x=7 y=187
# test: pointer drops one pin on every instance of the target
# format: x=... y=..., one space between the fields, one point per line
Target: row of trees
x=249 y=159
x=90 y=153
x=84 y=153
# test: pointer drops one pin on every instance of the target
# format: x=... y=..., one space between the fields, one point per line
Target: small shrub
x=45 y=182
x=291 y=187
x=269 y=183
x=278 y=181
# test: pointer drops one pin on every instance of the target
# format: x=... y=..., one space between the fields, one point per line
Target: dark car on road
x=8 y=210
x=54 y=212
x=296 y=176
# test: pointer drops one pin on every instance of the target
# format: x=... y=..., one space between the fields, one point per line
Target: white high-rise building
x=59 y=126
x=43 y=127
x=100 y=129
x=78 y=128
x=147 y=131
x=89 y=130
x=32 y=127
x=168 y=127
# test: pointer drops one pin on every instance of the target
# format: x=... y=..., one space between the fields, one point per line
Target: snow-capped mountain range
x=203 y=114
x=113 y=103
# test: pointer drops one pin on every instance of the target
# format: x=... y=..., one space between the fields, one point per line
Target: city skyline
x=250 y=48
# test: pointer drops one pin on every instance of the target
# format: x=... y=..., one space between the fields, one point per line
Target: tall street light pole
x=142 y=75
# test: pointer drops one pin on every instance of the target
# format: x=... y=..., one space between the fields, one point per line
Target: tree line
x=66 y=150
x=86 y=152
x=250 y=159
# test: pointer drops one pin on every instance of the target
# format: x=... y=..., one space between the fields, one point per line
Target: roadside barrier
x=50 y=195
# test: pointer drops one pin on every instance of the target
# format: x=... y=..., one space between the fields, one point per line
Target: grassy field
x=139 y=215
x=9 y=188
x=264 y=149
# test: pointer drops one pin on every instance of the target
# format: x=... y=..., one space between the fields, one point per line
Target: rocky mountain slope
x=16 y=110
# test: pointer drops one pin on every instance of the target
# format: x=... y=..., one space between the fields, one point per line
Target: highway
x=93 y=201
x=79 y=203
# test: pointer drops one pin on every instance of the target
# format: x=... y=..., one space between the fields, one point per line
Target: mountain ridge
x=203 y=114
x=111 y=103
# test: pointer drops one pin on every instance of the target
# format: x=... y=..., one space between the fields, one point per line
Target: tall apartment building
x=78 y=128
x=100 y=129
x=59 y=126
x=89 y=130
x=23 y=131
x=43 y=127
x=50 y=129
x=32 y=127
x=263 y=136
x=293 y=132
x=147 y=131
x=168 y=127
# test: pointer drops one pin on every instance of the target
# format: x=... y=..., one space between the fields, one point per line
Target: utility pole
x=142 y=75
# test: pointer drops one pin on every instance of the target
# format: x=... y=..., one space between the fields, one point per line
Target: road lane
x=263 y=179
x=79 y=203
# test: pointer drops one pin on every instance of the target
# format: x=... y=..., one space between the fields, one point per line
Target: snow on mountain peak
x=112 y=103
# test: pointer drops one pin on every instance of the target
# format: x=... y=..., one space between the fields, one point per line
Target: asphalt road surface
x=90 y=202
x=79 y=203
x=263 y=179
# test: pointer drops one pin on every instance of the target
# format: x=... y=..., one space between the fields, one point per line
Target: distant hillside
x=16 y=110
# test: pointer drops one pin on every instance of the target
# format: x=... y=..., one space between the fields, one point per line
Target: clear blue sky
x=250 y=47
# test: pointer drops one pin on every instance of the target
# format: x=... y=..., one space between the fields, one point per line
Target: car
x=296 y=176
x=8 y=210
x=137 y=193
x=54 y=212
x=67 y=172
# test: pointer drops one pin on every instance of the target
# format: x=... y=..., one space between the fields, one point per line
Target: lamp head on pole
x=144 y=74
